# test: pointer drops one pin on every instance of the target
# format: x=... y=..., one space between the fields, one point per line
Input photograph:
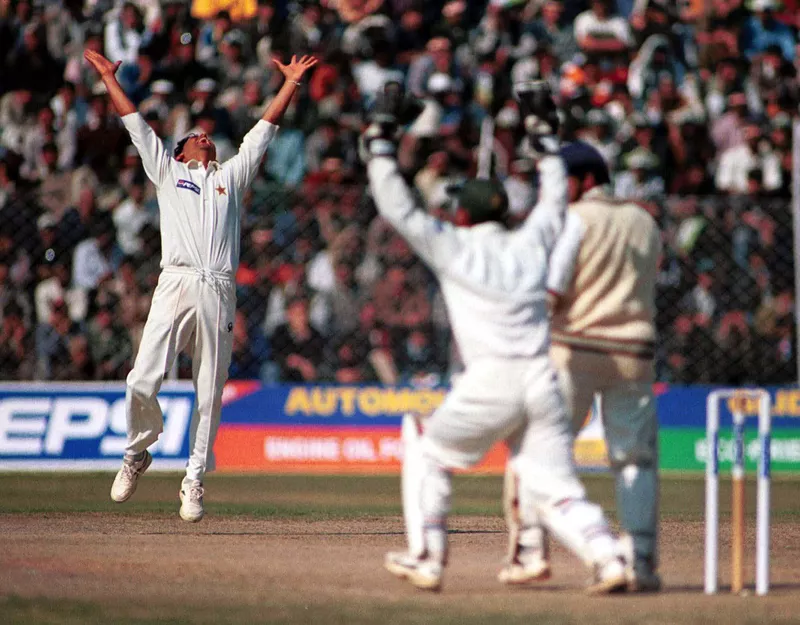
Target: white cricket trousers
x=518 y=401
x=514 y=400
x=191 y=309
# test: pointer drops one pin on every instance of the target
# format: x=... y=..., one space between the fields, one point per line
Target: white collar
x=195 y=164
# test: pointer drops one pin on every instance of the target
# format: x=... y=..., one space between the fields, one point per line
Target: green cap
x=484 y=200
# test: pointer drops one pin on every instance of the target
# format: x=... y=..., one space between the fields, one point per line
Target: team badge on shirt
x=188 y=184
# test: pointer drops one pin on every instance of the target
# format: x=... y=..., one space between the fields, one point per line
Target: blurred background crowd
x=691 y=102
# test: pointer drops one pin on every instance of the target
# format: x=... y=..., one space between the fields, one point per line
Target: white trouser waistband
x=197 y=271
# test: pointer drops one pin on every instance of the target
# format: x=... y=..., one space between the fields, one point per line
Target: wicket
x=738 y=399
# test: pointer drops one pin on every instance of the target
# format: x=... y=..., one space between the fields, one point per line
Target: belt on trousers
x=218 y=280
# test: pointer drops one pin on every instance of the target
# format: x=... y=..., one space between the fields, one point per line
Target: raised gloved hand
x=379 y=139
x=540 y=117
x=392 y=110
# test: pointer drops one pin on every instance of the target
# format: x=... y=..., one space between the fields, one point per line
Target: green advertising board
x=685 y=449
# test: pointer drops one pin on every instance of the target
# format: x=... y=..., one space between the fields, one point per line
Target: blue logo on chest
x=188 y=184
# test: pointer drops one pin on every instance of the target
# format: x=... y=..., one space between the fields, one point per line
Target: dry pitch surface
x=309 y=550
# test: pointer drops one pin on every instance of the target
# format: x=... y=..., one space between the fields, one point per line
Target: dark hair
x=179 y=146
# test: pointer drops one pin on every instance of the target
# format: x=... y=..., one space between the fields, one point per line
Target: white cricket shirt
x=200 y=208
x=493 y=280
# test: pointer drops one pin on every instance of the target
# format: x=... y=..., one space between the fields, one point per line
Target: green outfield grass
x=243 y=500
x=332 y=497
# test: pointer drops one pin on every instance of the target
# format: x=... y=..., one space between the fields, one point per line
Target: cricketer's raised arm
x=434 y=240
x=245 y=164
x=155 y=159
x=541 y=123
x=546 y=219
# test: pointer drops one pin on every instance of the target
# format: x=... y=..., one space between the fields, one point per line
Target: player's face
x=198 y=147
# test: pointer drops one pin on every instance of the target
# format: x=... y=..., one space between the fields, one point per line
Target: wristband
x=295 y=82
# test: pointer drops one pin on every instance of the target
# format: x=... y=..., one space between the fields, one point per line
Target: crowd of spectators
x=691 y=102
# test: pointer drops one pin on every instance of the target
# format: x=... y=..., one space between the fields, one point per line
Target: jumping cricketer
x=493 y=280
x=194 y=303
x=602 y=288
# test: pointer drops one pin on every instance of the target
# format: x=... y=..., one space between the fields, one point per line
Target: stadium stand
x=692 y=104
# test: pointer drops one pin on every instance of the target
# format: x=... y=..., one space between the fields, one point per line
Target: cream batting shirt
x=603 y=274
x=493 y=280
x=199 y=207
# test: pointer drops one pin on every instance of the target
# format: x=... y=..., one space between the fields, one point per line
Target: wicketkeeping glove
x=540 y=117
x=379 y=139
x=392 y=110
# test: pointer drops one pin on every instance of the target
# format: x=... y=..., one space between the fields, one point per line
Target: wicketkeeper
x=602 y=288
x=493 y=280
x=194 y=303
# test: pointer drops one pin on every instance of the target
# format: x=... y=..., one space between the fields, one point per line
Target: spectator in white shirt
x=123 y=36
x=438 y=57
x=130 y=216
x=428 y=122
x=640 y=181
x=701 y=300
x=737 y=162
x=372 y=72
x=598 y=32
x=599 y=134
x=56 y=289
x=92 y=260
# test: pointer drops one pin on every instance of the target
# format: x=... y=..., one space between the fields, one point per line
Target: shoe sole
x=609 y=586
x=417 y=580
x=148 y=462
x=524 y=580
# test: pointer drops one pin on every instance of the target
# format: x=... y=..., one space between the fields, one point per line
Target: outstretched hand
x=101 y=64
x=295 y=69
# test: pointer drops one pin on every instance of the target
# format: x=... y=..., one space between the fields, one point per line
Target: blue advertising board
x=78 y=426
x=83 y=427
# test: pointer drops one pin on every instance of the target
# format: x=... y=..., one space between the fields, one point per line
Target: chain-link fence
x=328 y=292
x=726 y=291
x=681 y=98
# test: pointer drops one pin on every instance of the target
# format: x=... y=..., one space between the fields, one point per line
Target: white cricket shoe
x=128 y=476
x=528 y=567
x=609 y=577
x=423 y=573
x=192 y=502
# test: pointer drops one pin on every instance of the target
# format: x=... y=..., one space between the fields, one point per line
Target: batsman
x=493 y=281
x=193 y=306
x=601 y=287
